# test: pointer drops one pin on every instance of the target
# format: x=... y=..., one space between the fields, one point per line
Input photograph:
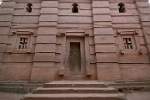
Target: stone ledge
x=128 y=86
x=18 y=87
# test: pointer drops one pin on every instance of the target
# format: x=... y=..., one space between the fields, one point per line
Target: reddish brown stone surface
x=51 y=27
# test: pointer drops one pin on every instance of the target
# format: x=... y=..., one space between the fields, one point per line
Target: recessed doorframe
x=75 y=58
x=75 y=50
x=74 y=36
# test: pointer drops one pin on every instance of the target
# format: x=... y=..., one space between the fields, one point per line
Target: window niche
x=122 y=8
x=127 y=42
x=29 y=7
x=22 y=41
x=75 y=8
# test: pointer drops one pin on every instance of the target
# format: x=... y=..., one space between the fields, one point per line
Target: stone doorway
x=75 y=57
x=75 y=63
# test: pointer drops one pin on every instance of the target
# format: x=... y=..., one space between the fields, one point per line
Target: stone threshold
x=27 y=87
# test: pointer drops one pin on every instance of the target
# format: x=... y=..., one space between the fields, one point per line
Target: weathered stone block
x=1 y=57
x=106 y=57
x=144 y=50
x=104 y=39
x=43 y=64
x=48 y=18
x=35 y=12
x=135 y=71
x=49 y=11
x=47 y=47
x=46 y=39
x=125 y=26
x=65 y=5
x=102 y=18
x=15 y=72
x=47 y=24
x=5 y=18
x=73 y=25
x=4 y=30
x=102 y=24
x=18 y=58
x=46 y=73
x=73 y=19
x=24 y=25
x=3 y=39
x=4 y=24
x=146 y=30
x=108 y=71
x=47 y=30
x=100 y=4
x=145 y=18
x=6 y=11
x=131 y=12
x=102 y=31
x=26 y=19
x=49 y=4
x=45 y=57
x=8 y=4
x=2 y=47
x=134 y=58
x=131 y=19
x=144 y=10
x=101 y=10
x=92 y=49
x=146 y=24
x=142 y=4
x=105 y=48
x=92 y=59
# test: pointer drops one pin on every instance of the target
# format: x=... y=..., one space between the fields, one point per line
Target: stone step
x=11 y=84
x=75 y=96
x=127 y=86
x=74 y=90
x=18 y=87
x=138 y=84
x=75 y=84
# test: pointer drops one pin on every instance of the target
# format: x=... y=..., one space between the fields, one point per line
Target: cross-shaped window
x=23 y=43
x=128 y=43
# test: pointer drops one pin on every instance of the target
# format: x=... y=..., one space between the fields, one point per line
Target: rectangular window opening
x=128 y=43
x=23 y=42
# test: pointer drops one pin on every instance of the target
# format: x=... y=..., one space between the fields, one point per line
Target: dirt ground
x=130 y=96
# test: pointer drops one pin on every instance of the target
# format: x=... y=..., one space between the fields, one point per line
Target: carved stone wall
x=33 y=45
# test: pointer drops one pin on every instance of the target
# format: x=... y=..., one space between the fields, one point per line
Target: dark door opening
x=75 y=57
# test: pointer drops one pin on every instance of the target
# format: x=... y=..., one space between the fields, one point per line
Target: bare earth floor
x=130 y=96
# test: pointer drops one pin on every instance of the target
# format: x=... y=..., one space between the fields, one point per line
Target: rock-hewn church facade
x=44 y=40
